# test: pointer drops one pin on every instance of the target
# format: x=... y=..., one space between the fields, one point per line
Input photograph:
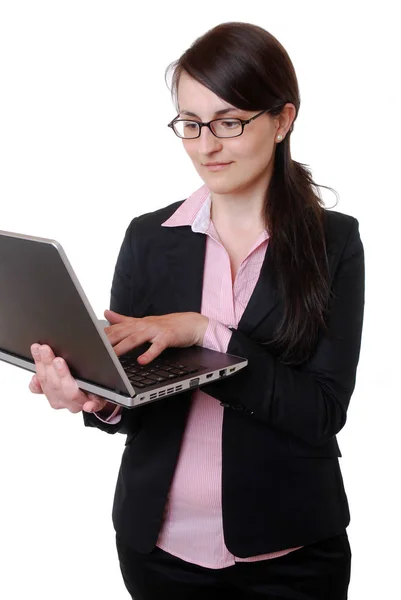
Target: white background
x=84 y=148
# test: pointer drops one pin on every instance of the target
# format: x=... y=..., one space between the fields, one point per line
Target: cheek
x=251 y=150
x=260 y=153
x=189 y=148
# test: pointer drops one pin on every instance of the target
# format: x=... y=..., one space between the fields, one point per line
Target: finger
x=43 y=356
x=115 y=333
x=35 y=351
x=118 y=333
x=94 y=402
x=93 y=405
x=40 y=370
x=135 y=339
x=155 y=349
x=46 y=354
x=49 y=377
x=34 y=385
x=66 y=382
x=61 y=385
x=114 y=317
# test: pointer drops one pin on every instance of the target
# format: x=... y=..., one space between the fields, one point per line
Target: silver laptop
x=41 y=301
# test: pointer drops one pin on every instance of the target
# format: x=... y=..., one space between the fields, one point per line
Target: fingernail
x=35 y=351
x=58 y=364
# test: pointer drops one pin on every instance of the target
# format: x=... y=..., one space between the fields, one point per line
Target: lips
x=217 y=166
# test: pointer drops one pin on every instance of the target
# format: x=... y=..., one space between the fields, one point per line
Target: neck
x=242 y=209
x=239 y=211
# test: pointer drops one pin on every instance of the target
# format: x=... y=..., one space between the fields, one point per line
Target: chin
x=218 y=184
x=222 y=187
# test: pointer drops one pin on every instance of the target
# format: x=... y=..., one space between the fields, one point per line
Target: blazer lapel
x=185 y=255
x=264 y=299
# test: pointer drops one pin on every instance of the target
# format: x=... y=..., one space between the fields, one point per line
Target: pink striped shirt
x=193 y=524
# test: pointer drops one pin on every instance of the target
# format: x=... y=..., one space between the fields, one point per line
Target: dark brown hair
x=248 y=67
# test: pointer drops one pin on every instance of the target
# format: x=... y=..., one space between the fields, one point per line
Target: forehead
x=194 y=97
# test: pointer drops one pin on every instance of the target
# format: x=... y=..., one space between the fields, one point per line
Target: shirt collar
x=195 y=212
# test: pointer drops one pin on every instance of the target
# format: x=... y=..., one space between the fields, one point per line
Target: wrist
x=203 y=325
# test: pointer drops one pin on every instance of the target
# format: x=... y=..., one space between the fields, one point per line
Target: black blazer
x=281 y=481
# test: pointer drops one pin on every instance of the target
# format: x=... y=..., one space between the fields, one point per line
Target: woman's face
x=250 y=155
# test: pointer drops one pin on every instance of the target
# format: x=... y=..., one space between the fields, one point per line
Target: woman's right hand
x=54 y=380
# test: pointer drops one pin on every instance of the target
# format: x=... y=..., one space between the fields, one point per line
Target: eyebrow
x=223 y=111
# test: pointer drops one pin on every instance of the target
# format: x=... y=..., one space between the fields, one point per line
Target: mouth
x=216 y=166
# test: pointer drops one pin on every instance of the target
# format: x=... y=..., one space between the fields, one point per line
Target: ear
x=286 y=118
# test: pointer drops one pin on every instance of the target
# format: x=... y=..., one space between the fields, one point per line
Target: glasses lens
x=186 y=129
x=226 y=127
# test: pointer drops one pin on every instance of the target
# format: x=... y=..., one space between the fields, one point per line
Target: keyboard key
x=179 y=373
x=156 y=378
x=165 y=374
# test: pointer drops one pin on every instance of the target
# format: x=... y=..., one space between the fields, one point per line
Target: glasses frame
x=242 y=121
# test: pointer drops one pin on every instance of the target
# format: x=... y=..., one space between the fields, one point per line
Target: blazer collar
x=185 y=255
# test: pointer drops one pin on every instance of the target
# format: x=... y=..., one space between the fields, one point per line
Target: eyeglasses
x=221 y=128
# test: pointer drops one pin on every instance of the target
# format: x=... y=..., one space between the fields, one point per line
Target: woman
x=234 y=490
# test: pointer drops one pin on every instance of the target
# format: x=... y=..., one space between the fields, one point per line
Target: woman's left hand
x=175 y=329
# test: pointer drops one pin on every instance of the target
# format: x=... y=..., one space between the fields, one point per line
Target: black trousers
x=319 y=571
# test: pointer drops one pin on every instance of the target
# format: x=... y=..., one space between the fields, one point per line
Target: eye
x=190 y=125
x=230 y=123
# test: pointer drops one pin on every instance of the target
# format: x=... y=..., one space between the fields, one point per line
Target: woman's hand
x=53 y=378
x=175 y=329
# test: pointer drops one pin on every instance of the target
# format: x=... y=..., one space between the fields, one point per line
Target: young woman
x=234 y=490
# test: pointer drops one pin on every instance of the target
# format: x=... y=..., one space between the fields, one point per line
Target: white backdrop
x=79 y=160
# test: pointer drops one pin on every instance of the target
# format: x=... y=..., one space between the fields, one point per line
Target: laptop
x=42 y=301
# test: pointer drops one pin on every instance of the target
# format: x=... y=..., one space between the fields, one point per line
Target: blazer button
x=225 y=404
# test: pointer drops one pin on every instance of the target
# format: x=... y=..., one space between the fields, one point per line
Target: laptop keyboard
x=157 y=372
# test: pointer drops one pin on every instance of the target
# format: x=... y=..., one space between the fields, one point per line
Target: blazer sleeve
x=309 y=401
x=123 y=300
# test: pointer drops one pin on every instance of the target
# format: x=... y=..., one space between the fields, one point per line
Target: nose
x=208 y=142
